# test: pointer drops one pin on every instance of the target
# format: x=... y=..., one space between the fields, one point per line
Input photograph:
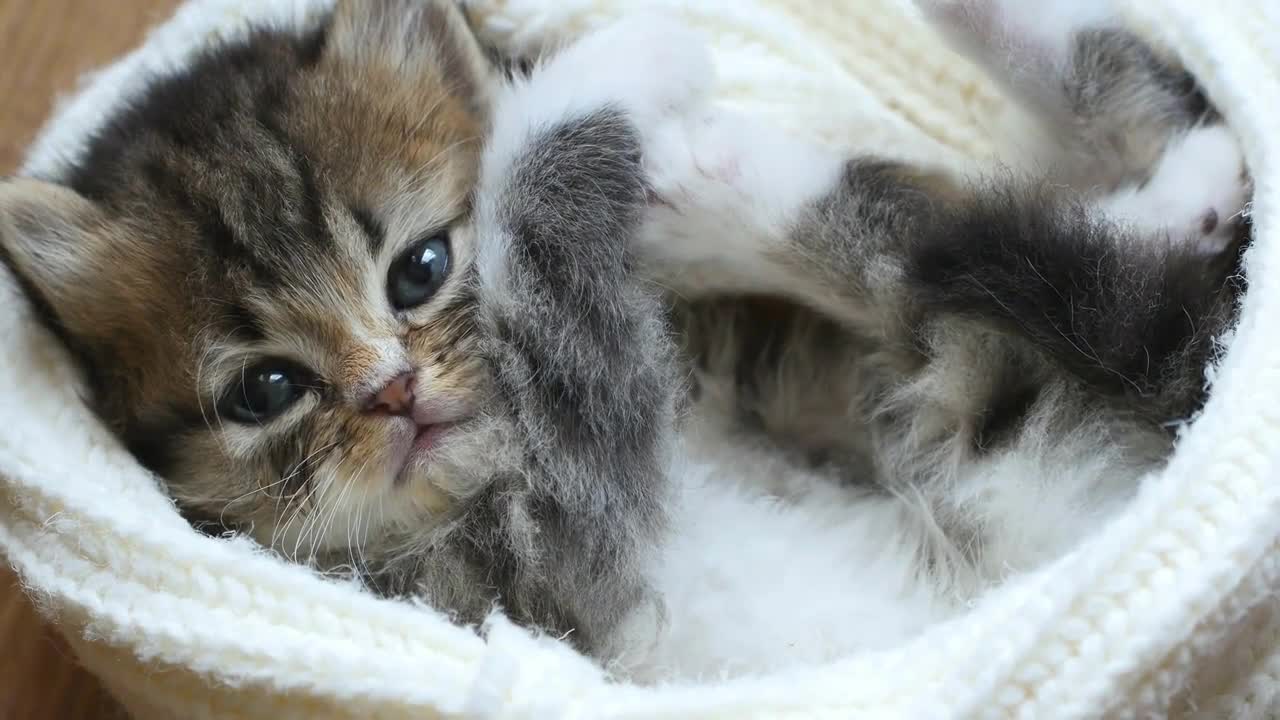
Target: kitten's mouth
x=426 y=442
x=430 y=430
x=428 y=438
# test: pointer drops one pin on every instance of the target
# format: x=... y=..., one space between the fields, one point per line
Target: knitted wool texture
x=1168 y=612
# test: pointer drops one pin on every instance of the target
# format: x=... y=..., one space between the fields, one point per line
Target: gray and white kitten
x=351 y=293
x=990 y=365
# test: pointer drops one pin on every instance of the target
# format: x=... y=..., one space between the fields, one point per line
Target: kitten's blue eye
x=417 y=274
x=263 y=391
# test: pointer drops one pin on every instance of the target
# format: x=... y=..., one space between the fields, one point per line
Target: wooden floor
x=45 y=45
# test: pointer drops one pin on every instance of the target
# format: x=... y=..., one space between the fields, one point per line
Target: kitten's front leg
x=580 y=353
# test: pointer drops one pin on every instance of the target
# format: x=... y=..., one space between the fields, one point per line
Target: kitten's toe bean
x=1209 y=221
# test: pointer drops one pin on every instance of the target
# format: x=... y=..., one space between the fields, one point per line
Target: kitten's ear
x=50 y=239
x=424 y=38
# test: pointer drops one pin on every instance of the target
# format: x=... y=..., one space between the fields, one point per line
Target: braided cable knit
x=1169 y=611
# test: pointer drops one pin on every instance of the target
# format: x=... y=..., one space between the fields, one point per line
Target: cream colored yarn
x=1170 y=612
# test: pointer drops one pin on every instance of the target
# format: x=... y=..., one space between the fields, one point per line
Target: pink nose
x=396 y=398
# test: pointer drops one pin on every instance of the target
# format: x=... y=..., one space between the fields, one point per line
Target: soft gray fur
x=585 y=375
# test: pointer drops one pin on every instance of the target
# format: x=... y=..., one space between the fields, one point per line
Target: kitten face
x=265 y=266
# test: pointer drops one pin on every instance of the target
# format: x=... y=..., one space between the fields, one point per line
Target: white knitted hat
x=1170 y=611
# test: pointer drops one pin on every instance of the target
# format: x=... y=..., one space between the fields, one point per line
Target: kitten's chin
x=426 y=444
x=448 y=464
x=465 y=456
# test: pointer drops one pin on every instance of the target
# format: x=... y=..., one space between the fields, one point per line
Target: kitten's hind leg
x=888 y=250
x=1130 y=126
x=1197 y=193
x=1027 y=45
x=1109 y=99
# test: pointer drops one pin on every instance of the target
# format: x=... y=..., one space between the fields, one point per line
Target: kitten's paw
x=720 y=160
x=649 y=63
x=1196 y=193
x=646 y=66
x=726 y=190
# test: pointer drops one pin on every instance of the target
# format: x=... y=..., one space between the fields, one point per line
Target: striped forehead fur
x=250 y=206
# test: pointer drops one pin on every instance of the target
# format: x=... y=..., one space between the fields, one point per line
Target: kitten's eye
x=263 y=391
x=417 y=274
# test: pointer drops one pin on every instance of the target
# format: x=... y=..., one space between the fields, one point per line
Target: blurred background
x=45 y=47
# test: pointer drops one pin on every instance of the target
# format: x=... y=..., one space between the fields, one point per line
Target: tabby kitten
x=268 y=266
x=355 y=295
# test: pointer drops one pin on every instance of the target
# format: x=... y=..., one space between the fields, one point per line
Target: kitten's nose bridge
x=394 y=398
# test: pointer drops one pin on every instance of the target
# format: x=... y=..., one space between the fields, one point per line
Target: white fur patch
x=730 y=189
x=814 y=573
x=601 y=70
x=645 y=65
x=1201 y=174
x=818 y=570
